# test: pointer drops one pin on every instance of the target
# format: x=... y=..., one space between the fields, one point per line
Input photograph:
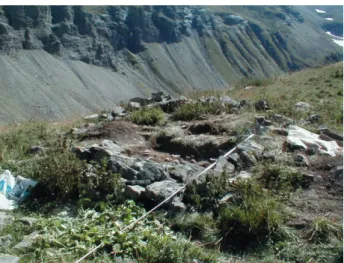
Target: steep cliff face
x=149 y=48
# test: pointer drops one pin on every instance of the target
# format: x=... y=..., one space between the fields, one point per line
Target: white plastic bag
x=7 y=182
x=13 y=190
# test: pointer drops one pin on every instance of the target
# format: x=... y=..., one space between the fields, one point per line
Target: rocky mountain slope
x=62 y=61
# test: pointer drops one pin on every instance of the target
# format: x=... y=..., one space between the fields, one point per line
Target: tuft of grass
x=148 y=116
x=196 y=111
x=323 y=230
x=252 y=218
x=197 y=226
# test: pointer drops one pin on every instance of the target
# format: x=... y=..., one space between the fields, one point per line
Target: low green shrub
x=279 y=178
x=61 y=175
x=251 y=218
x=195 y=111
x=148 y=116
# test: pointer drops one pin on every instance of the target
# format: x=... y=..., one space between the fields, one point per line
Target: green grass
x=148 y=116
x=323 y=230
x=15 y=141
x=320 y=87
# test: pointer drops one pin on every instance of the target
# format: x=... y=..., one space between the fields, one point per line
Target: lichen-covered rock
x=159 y=191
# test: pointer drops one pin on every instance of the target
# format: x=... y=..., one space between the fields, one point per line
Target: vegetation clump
x=148 y=116
x=196 y=111
x=279 y=178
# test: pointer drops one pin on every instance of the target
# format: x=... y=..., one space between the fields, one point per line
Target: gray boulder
x=234 y=158
x=228 y=101
x=159 y=191
x=182 y=172
x=104 y=150
x=136 y=170
x=4 y=258
x=27 y=241
x=223 y=165
x=134 y=192
x=5 y=219
x=251 y=146
x=122 y=165
x=177 y=206
x=151 y=171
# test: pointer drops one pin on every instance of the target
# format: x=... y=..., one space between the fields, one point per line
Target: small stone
x=243 y=175
x=183 y=98
x=268 y=156
x=282 y=119
x=259 y=119
x=314 y=118
x=223 y=165
x=297 y=223
x=36 y=149
x=146 y=152
x=301 y=160
x=262 y=105
x=267 y=123
x=134 y=192
x=226 y=198
x=177 y=205
x=135 y=105
x=92 y=117
x=302 y=106
x=234 y=158
x=118 y=112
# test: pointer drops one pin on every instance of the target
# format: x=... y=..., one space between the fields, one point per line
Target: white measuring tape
x=160 y=204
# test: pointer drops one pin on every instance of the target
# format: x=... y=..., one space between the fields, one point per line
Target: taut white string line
x=160 y=204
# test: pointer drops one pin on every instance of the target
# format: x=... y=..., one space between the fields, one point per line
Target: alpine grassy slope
x=66 y=61
x=270 y=201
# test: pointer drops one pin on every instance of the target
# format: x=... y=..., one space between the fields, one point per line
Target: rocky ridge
x=99 y=55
